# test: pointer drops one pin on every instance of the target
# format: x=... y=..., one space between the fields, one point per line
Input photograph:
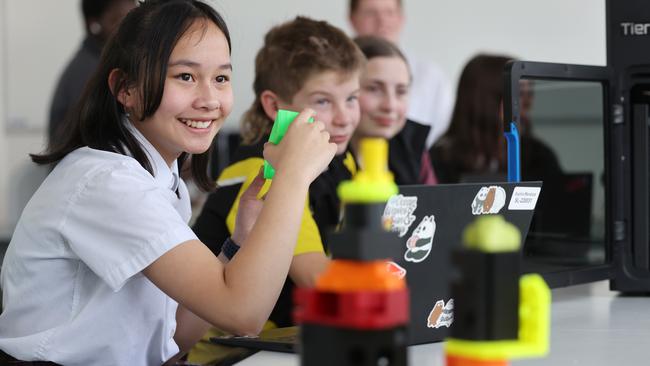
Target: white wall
x=447 y=32
x=38 y=38
x=450 y=32
x=41 y=35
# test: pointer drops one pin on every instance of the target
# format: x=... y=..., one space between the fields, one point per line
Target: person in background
x=474 y=146
x=101 y=18
x=384 y=99
x=431 y=99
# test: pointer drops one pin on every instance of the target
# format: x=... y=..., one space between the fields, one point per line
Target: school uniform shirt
x=321 y=211
x=431 y=99
x=73 y=291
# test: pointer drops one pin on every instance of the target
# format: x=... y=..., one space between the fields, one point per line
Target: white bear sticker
x=398 y=213
x=489 y=200
x=420 y=243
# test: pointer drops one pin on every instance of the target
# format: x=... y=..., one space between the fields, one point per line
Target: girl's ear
x=270 y=103
x=124 y=94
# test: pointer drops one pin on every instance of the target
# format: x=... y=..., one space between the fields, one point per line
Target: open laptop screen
x=561 y=124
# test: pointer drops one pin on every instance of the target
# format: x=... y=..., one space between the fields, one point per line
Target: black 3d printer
x=593 y=221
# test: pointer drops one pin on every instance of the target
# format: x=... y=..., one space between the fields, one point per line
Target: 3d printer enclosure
x=626 y=99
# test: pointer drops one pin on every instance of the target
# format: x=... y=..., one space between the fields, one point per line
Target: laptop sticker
x=418 y=246
x=395 y=269
x=441 y=315
x=524 y=198
x=398 y=213
x=489 y=200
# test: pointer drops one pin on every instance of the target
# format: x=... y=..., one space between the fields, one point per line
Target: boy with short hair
x=303 y=64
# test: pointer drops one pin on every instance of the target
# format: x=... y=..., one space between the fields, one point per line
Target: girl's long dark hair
x=140 y=48
x=476 y=130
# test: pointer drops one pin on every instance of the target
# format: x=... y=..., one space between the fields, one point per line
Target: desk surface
x=590 y=326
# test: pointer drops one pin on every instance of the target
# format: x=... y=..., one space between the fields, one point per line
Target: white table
x=590 y=326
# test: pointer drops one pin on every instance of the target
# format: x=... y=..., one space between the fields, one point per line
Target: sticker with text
x=489 y=200
x=418 y=246
x=395 y=269
x=398 y=213
x=524 y=198
x=442 y=315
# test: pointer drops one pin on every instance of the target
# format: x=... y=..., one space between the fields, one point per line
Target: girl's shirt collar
x=163 y=174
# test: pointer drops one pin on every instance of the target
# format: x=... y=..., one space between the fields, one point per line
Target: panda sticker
x=418 y=246
x=489 y=200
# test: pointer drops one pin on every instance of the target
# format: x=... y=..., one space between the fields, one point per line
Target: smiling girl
x=102 y=267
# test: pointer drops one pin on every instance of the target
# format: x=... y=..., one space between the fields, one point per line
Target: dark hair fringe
x=373 y=46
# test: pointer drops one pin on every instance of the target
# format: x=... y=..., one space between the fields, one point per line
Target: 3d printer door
x=556 y=120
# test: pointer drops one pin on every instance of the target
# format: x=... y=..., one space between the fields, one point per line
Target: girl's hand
x=249 y=209
x=305 y=150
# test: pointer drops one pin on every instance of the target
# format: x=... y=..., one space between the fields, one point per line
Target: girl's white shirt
x=73 y=291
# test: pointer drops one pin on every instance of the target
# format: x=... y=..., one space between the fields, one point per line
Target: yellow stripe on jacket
x=244 y=171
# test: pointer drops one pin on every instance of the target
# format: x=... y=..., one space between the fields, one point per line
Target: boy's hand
x=305 y=150
x=249 y=209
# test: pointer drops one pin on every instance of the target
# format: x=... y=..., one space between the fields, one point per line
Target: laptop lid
x=430 y=221
x=276 y=340
x=580 y=143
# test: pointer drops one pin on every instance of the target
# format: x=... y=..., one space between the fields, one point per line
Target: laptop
x=277 y=340
x=429 y=220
